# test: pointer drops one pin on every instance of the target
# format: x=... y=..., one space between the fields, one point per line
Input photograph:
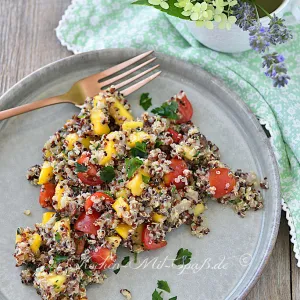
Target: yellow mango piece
x=136 y=183
x=114 y=241
x=97 y=99
x=110 y=151
x=59 y=191
x=71 y=138
x=86 y=142
x=137 y=235
x=129 y=125
x=57 y=281
x=123 y=230
x=46 y=173
x=18 y=238
x=62 y=225
x=97 y=117
x=47 y=216
x=122 y=193
x=120 y=205
x=47 y=153
x=138 y=136
x=158 y=218
x=120 y=113
x=189 y=152
x=199 y=209
x=35 y=242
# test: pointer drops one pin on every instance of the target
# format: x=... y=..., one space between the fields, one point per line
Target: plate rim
x=5 y=103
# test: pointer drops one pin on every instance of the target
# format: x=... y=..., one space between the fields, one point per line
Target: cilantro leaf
x=116 y=271
x=57 y=237
x=125 y=261
x=163 y=285
x=173 y=298
x=59 y=258
x=183 y=257
x=156 y=295
x=145 y=179
x=145 y=101
x=109 y=193
x=107 y=174
x=158 y=143
x=167 y=110
x=88 y=272
x=139 y=150
x=80 y=168
x=132 y=165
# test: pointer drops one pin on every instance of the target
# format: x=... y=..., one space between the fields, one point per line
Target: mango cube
x=62 y=226
x=46 y=173
x=137 y=235
x=122 y=193
x=114 y=240
x=136 y=184
x=129 y=125
x=59 y=191
x=138 y=136
x=120 y=205
x=189 y=152
x=35 y=242
x=120 y=113
x=47 y=216
x=123 y=230
x=110 y=151
x=71 y=138
x=86 y=142
x=97 y=117
x=199 y=209
x=57 y=281
x=158 y=218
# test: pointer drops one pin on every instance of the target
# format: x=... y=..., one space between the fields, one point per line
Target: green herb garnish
x=167 y=110
x=145 y=101
x=88 y=272
x=80 y=168
x=156 y=295
x=59 y=258
x=163 y=285
x=173 y=298
x=158 y=143
x=57 y=237
x=18 y=230
x=125 y=261
x=183 y=257
x=109 y=193
x=116 y=271
x=139 y=150
x=107 y=174
x=132 y=165
x=145 y=179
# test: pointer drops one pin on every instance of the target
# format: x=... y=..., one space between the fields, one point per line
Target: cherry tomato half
x=46 y=194
x=89 y=177
x=222 y=180
x=177 y=137
x=104 y=257
x=85 y=223
x=185 y=108
x=80 y=243
x=149 y=243
x=98 y=195
x=178 y=166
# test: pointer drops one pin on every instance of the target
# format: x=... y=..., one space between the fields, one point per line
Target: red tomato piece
x=80 y=243
x=98 y=195
x=85 y=223
x=104 y=257
x=178 y=166
x=222 y=180
x=149 y=243
x=185 y=108
x=46 y=194
x=89 y=177
x=177 y=137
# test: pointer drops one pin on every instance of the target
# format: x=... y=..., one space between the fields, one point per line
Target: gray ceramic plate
x=226 y=263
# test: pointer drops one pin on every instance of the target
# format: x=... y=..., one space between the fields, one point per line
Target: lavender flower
x=245 y=15
x=259 y=37
x=279 y=33
x=276 y=69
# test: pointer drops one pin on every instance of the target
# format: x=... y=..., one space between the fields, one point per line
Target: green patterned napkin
x=97 y=24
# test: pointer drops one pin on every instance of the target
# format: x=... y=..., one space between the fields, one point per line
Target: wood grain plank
x=275 y=282
x=295 y=276
x=28 y=42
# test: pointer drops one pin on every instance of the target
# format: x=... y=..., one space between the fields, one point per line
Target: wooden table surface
x=28 y=42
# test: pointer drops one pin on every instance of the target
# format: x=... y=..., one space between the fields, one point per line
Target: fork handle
x=32 y=106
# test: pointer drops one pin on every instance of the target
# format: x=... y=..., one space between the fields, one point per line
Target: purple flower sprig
x=261 y=38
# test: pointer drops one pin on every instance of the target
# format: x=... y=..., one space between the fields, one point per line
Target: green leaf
x=135 y=257
x=158 y=143
x=172 y=10
x=167 y=110
x=57 y=237
x=132 y=165
x=88 y=272
x=139 y=150
x=116 y=271
x=145 y=179
x=163 y=285
x=80 y=168
x=156 y=295
x=109 y=193
x=59 y=258
x=173 y=298
x=183 y=257
x=145 y=101
x=125 y=261
x=107 y=174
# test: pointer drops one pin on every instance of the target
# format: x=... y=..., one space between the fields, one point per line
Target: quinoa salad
x=110 y=180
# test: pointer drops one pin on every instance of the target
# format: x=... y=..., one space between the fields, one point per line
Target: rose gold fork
x=92 y=85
